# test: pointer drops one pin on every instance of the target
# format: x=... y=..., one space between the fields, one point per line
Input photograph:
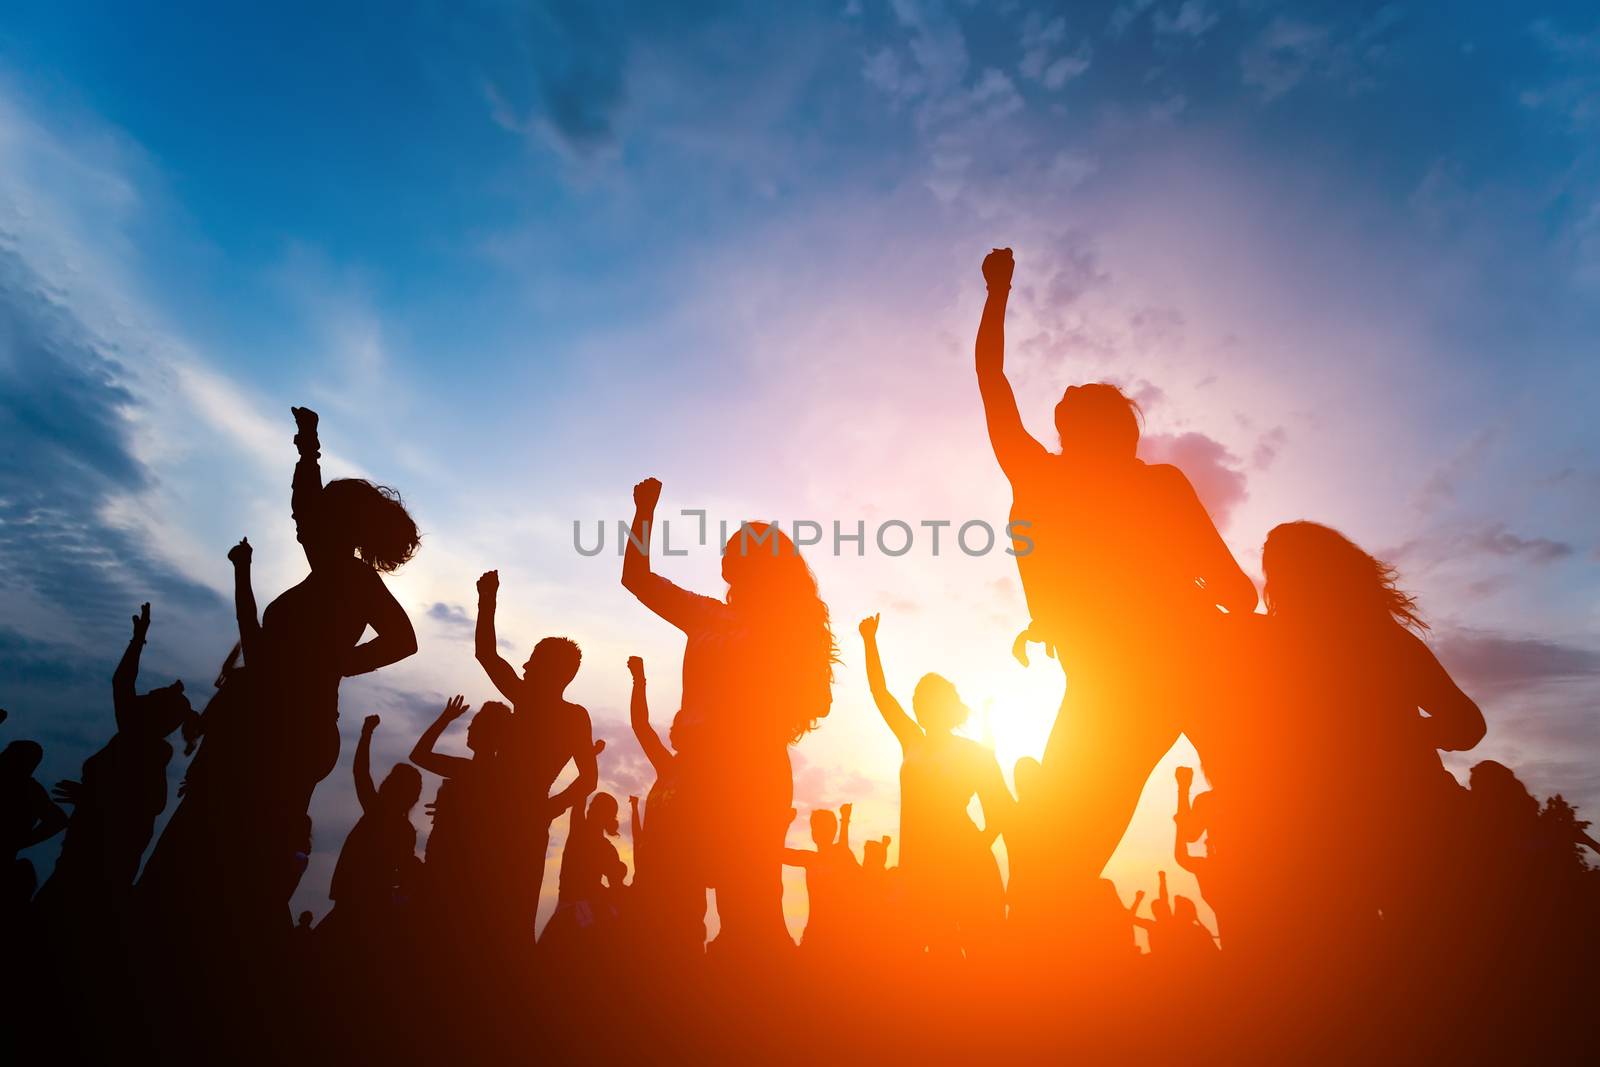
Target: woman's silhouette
x=1123 y=572
x=590 y=887
x=464 y=847
x=1337 y=668
x=122 y=789
x=252 y=782
x=757 y=674
x=954 y=879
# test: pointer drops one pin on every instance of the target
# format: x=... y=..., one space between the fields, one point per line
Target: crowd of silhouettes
x=1365 y=902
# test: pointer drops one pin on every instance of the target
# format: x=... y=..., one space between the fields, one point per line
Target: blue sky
x=520 y=256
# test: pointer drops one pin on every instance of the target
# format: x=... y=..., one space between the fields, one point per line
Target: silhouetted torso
x=938 y=779
x=124 y=790
x=372 y=860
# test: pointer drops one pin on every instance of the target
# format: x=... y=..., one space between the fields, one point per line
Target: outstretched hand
x=67 y=791
x=455 y=707
x=239 y=555
x=646 y=494
x=997 y=268
x=141 y=622
x=869 y=628
x=369 y=725
x=489 y=583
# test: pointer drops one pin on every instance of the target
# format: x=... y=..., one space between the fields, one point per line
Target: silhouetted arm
x=635 y=825
x=1226 y=583
x=799 y=857
x=1454 y=722
x=244 y=601
x=485 y=645
x=1161 y=891
x=49 y=817
x=125 y=679
x=659 y=755
x=396 y=638
x=423 y=754
x=1133 y=913
x=904 y=728
x=366 y=792
x=585 y=755
x=305 y=495
x=1013 y=446
x=674 y=604
x=844 y=826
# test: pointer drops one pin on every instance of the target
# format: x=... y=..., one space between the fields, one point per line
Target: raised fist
x=489 y=583
x=239 y=555
x=646 y=493
x=869 y=628
x=636 y=667
x=997 y=268
x=141 y=622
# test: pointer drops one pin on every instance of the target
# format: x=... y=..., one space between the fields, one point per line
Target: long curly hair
x=1311 y=568
x=374 y=519
x=771 y=586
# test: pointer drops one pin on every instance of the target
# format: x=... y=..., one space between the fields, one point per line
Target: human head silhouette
x=1316 y=573
x=1497 y=791
x=20 y=759
x=305 y=920
x=370 y=520
x=163 y=710
x=400 y=790
x=875 y=855
x=1183 y=911
x=603 y=811
x=937 y=705
x=790 y=645
x=553 y=664
x=824 y=827
x=487 y=730
x=1097 y=423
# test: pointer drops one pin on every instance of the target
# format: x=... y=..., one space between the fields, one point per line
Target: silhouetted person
x=27 y=817
x=122 y=789
x=1190 y=824
x=669 y=894
x=379 y=855
x=1123 y=571
x=831 y=874
x=757 y=674
x=948 y=861
x=466 y=847
x=546 y=732
x=279 y=736
x=590 y=888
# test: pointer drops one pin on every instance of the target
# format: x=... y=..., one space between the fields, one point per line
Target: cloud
x=1490 y=539
x=1282 y=55
x=1211 y=468
x=1496 y=663
x=451 y=615
x=1192 y=19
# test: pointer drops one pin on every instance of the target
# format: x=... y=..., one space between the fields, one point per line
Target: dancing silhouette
x=831 y=873
x=948 y=861
x=546 y=732
x=757 y=674
x=1123 y=572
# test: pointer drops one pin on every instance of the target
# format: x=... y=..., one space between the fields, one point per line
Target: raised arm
x=1454 y=721
x=486 y=646
x=366 y=792
x=125 y=679
x=244 y=601
x=636 y=826
x=423 y=754
x=396 y=638
x=305 y=496
x=639 y=716
x=844 y=826
x=893 y=714
x=50 y=818
x=1013 y=445
x=636 y=555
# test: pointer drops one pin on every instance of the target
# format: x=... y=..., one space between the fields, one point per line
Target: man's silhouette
x=546 y=732
x=1123 y=572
